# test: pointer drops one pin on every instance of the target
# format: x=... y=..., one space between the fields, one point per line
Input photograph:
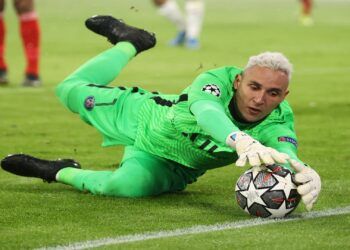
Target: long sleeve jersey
x=168 y=128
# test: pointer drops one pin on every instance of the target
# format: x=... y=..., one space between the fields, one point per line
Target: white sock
x=194 y=18
x=170 y=9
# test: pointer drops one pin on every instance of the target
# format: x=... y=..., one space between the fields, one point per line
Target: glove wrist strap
x=233 y=138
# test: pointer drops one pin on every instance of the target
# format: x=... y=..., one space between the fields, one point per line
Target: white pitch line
x=197 y=230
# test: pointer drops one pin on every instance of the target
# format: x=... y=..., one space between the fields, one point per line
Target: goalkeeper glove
x=251 y=151
x=310 y=183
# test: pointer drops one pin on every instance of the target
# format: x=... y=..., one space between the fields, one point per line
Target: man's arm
x=211 y=117
x=282 y=138
x=207 y=97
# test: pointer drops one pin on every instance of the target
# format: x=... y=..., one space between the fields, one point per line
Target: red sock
x=30 y=31
x=2 y=43
x=307 y=5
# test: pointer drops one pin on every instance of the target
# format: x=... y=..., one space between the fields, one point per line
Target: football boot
x=179 y=39
x=117 y=31
x=3 y=77
x=29 y=166
x=31 y=80
x=192 y=43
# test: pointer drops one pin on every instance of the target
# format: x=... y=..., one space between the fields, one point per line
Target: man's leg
x=306 y=17
x=306 y=7
x=170 y=10
x=85 y=91
x=100 y=70
x=194 y=19
x=30 y=32
x=140 y=175
x=29 y=166
x=3 y=66
x=105 y=67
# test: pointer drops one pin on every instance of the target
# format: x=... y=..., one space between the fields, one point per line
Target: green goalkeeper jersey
x=167 y=128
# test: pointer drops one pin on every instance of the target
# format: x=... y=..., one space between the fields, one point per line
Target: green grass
x=35 y=214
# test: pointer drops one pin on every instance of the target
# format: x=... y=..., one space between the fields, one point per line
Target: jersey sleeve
x=281 y=137
x=212 y=85
x=211 y=117
x=208 y=95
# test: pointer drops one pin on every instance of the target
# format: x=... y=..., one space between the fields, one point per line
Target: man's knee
x=62 y=92
x=65 y=93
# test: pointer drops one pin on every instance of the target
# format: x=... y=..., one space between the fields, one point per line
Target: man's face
x=259 y=91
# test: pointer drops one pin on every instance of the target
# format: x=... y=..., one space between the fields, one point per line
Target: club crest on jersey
x=212 y=89
x=288 y=139
x=89 y=102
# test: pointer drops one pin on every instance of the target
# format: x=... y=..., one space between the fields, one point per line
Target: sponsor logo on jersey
x=212 y=89
x=288 y=139
x=89 y=103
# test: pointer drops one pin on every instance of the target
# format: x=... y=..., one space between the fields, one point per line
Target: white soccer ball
x=269 y=193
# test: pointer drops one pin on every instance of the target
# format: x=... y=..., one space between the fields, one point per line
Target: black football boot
x=117 y=31
x=26 y=165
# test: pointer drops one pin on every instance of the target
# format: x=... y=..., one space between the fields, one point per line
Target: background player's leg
x=194 y=19
x=140 y=175
x=306 y=8
x=101 y=70
x=170 y=10
x=3 y=66
x=30 y=32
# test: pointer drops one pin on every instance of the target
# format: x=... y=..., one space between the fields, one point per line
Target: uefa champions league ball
x=269 y=193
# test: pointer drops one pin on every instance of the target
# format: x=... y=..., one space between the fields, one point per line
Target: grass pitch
x=35 y=214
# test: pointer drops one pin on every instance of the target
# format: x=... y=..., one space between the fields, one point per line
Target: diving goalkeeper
x=226 y=115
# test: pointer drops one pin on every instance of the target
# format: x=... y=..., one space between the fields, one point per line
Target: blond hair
x=272 y=60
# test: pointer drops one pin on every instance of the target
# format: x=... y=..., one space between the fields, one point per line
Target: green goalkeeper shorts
x=112 y=111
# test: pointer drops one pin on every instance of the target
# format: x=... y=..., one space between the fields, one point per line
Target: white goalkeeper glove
x=251 y=151
x=310 y=183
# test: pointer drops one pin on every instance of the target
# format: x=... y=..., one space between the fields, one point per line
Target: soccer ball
x=269 y=193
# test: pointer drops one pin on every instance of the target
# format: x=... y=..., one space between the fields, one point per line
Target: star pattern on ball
x=280 y=212
x=254 y=195
x=284 y=183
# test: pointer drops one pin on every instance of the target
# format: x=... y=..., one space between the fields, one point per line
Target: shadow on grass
x=199 y=200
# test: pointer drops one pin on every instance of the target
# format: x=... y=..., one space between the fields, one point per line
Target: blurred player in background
x=305 y=13
x=188 y=26
x=30 y=33
x=226 y=115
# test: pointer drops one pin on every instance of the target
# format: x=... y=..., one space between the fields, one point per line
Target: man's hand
x=310 y=183
x=253 y=152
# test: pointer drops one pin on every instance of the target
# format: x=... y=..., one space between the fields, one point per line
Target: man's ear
x=286 y=93
x=237 y=81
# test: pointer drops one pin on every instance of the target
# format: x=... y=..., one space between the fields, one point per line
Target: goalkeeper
x=226 y=115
